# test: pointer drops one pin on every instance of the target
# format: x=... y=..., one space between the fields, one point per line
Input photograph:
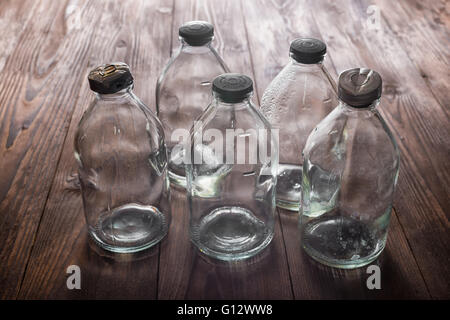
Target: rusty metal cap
x=308 y=50
x=359 y=87
x=196 y=33
x=110 y=78
x=232 y=87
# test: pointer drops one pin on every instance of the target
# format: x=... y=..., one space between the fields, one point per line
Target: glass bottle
x=231 y=174
x=122 y=159
x=301 y=95
x=184 y=89
x=350 y=170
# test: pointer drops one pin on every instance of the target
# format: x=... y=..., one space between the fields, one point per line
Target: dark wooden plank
x=14 y=16
x=417 y=120
x=184 y=273
x=272 y=25
x=135 y=32
x=400 y=276
x=37 y=94
x=423 y=27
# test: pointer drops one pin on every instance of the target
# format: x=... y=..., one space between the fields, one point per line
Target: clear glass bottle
x=122 y=159
x=231 y=175
x=350 y=170
x=301 y=95
x=184 y=89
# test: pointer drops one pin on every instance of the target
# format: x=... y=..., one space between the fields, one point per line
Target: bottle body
x=120 y=149
x=294 y=103
x=350 y=170
x=182 y=92
x=231 y=191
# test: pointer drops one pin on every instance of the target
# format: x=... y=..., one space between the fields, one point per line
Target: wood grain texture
x=423 y=29
x=309 y=279
x=419 y=124
x=38 y=90
x=63 y=240
x=184 y=273
x=14 y=17
x=47 y=50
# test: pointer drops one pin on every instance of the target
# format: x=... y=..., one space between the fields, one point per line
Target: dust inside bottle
x=184 y=89
x=349 y=175
x=301 y=95
x=122 y=165
x=231 y=187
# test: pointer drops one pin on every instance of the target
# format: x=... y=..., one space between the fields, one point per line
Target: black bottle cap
x=308 y=50
x=359 y=87
x=196 y=33
x=110 y=78
x=232 y=87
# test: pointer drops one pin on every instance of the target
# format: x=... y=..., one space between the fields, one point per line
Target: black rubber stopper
x=196 y=33
x=232 y=87
x=308 y=50
x=110 y=78
x=359 y=87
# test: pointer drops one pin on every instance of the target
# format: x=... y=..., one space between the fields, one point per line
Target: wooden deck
x=46 y=50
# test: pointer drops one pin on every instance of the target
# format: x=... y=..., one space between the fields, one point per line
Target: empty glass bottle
x=301 y=95
x=122 y=159
x=184 y=89
x=231 y=175
x=350 y=170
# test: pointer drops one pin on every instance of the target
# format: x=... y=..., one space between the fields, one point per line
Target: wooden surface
x=47 y=49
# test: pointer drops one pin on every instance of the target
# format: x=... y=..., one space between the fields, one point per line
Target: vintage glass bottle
x=350 y=170
x=184 y=89
x=122 y=159
x=301 y=95
x=231 y=175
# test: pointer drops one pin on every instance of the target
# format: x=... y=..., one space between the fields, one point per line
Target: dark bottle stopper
x=232 y=87
x=308 y=50
x=196 y=33
x=359 y=87
x=110 y=78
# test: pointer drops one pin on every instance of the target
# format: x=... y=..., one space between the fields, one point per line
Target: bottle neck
x=119 y=95
x=306 y=66
x=370 y=107
x=190 y=49
x=318 y=67
x=241 y=104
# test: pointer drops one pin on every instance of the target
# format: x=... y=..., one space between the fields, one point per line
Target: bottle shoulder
x=292 y=74
x=189 y=66
x=296 y=90
x=116 y=125
x=244 y=116
x=344 y=131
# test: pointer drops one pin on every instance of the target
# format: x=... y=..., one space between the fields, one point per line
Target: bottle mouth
x=369 y=106
x=308 y=50
x=227 y=100
x=110 y=78
x=196 y=43
x=232 y=87
x=196 y=33
x=359 y=87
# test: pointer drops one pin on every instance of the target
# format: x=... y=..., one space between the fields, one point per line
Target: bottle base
x=177 y=180
x=230 y=234
x=130 y=228
x=341 y=242
x=287 y=205
x=289 y=183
